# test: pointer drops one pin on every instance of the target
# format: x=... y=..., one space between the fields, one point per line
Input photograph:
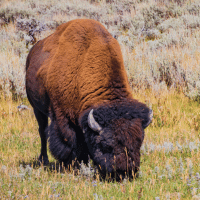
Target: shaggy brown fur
x=77 y=68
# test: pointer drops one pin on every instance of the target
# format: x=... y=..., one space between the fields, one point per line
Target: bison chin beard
x=70 y=150
x=62 y=151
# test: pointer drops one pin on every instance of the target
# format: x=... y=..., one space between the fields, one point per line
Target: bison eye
x=106 y=148
x=120 y=143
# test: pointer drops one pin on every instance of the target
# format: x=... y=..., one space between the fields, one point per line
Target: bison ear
x=150 y=117
x=92 y=123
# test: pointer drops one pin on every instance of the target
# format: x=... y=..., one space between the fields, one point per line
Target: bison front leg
x=43 y=123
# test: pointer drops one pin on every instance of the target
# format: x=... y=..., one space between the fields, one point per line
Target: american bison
x=76 y=76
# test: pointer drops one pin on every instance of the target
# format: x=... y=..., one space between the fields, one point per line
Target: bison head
x=114 y=134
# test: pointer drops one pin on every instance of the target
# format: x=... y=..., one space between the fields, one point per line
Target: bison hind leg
x=42 y=120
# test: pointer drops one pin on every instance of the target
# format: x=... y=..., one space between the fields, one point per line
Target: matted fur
x=76 y=69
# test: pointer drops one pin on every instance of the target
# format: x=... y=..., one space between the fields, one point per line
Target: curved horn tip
x=151 y=114
x=92 y=123
x=150 y=118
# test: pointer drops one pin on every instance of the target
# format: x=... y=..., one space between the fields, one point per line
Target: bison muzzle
x=76 y=76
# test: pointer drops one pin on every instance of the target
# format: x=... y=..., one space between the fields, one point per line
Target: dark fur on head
x=127 y=109
x=116 y=149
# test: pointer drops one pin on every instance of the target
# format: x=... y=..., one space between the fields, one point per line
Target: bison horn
x=150 y=118
x=151 y=115
x=92 y=123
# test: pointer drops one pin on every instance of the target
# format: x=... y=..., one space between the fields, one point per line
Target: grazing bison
x=76 y=76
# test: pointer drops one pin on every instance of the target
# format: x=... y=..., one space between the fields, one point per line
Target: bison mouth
x=118 y=175
x=115 y=167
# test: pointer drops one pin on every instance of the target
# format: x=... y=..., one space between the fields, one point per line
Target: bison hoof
x=44 y=160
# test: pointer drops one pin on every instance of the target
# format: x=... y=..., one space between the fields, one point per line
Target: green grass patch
x=170 y=157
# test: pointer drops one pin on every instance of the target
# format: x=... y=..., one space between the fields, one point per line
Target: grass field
x=160 y=42
x=170 y=157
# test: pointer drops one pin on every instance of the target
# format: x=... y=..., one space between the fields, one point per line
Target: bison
x=76 y=76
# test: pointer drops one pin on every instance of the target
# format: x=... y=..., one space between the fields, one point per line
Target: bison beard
x=76 y=76
x=67 y=151
x=70 y=149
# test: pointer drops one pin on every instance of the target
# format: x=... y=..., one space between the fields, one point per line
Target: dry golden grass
x=176 y=119
x=170 y=155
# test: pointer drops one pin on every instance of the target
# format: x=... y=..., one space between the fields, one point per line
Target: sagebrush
x=160 y=40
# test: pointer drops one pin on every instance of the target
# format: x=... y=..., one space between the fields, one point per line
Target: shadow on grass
x=51 y=167
x=57 y=167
